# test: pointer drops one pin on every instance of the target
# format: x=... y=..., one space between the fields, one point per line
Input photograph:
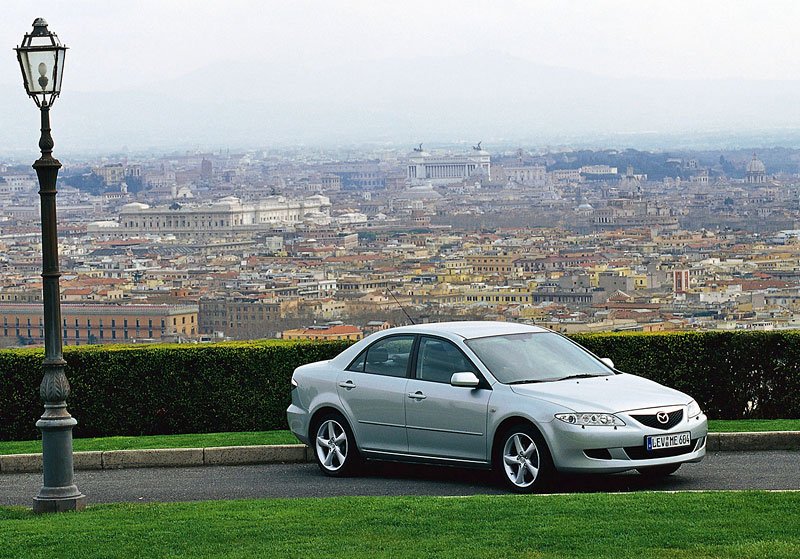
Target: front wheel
x=334 y=446
x=522 y=460
x=659 y=471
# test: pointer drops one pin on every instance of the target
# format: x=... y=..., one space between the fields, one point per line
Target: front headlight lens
x=693 y=409
x=591 y=419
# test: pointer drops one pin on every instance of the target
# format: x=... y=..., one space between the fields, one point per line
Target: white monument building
x=424 y=167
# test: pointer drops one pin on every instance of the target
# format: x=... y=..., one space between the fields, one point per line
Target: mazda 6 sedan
x=518 y=399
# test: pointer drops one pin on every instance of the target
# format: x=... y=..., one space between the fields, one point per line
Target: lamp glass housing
x=41 y=59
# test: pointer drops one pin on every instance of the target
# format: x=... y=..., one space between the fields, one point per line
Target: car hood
x=609 y=394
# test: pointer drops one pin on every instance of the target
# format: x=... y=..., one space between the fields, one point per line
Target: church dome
x=756 y=165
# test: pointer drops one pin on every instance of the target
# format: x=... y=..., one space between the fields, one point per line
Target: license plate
x=657 y=442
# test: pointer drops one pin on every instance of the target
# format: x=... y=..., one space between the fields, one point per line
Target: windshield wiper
x=584 y=375
x=530 y=381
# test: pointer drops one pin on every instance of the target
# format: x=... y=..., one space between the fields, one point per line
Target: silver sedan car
x=521 y=400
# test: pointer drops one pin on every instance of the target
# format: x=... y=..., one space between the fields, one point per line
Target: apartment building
x=99 y=323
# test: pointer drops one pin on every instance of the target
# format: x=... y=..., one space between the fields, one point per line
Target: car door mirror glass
x=466 y=378
x=607 y=361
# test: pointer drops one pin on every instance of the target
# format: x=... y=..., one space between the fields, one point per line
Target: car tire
x=659 y=471
x=522 y=460
x=334 y=446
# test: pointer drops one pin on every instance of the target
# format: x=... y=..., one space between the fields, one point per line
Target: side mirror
x=607 y=361
x=467 y=379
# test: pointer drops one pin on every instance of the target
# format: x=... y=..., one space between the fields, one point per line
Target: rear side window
x=358 y=364
x=388 y=357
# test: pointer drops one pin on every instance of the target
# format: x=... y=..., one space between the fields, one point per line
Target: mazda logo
x=663 y=417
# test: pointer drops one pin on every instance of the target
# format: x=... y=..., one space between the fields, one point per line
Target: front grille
x=641 y=452
x=675 y=417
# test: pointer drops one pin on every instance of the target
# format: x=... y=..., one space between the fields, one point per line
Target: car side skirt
x=422 y=459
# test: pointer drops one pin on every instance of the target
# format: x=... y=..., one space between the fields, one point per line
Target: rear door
x=373 y=392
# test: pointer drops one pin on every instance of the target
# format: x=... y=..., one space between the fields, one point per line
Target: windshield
x=535 y=357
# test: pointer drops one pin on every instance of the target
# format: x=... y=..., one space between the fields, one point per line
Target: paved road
x=725 y=470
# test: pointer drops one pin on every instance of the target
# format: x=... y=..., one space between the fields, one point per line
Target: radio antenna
x=411 y=320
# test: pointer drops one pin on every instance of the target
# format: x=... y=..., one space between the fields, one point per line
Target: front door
x=443 y=420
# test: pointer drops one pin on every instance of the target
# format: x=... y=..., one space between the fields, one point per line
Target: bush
x=732 y=375
x=244 y=386
x=160 y=389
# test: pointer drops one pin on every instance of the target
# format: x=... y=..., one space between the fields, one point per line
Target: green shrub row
x=732 y=375
x=244 y=386
x=160 y=389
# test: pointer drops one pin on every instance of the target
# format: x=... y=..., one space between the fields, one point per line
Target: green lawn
x=202 y=440
x=596 y=526
x=285 y=437
x=752 y=425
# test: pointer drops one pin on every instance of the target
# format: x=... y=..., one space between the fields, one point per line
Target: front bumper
x=622 y=448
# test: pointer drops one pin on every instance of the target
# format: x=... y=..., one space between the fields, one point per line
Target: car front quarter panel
x=506 y=406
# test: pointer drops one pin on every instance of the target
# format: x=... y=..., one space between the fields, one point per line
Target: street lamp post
x=41 y=59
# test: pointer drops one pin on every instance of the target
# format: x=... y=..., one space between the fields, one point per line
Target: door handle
x=418 y=395
x=347 y=384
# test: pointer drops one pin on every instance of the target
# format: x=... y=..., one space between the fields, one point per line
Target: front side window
x=535 y=357
x=438 y=359
x=389 y=356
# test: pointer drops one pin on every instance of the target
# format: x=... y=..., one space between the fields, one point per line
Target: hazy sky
x=122 y=44
x=318 y=69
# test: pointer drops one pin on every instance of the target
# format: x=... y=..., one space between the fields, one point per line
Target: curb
x=165 y=458
x=767 y=440
x=294 y=453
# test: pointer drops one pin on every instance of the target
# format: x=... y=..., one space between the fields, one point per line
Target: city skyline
x=268 y=243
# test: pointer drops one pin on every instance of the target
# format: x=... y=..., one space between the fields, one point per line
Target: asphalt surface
x=773 y=470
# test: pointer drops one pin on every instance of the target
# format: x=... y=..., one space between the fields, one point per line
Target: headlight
x=591 y=419
x=693 y=409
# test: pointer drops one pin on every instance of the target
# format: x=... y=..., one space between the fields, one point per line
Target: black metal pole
x=58 y=491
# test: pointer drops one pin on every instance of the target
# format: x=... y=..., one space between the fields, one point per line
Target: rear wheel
x=334 y=446
x=522 y=460
x=659 y=471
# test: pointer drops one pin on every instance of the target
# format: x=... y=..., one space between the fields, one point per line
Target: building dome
x=756 y=165
x=756 y=171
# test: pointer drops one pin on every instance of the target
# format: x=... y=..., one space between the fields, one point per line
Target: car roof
x=469 y=329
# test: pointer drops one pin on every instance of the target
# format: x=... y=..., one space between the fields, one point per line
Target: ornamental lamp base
x=41 y=506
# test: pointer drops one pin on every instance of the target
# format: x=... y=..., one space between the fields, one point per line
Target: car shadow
x=485 y=482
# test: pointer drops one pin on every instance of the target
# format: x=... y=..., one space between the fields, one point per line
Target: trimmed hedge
x=732 y=375
x=244 y=386
x=160 y=389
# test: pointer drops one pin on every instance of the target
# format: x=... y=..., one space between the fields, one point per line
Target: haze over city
x=244 y=73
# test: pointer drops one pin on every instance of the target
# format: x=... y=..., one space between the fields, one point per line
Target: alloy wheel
x=332 y=445
x=521 y=461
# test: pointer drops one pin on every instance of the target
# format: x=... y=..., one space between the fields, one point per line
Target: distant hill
x=487 y=95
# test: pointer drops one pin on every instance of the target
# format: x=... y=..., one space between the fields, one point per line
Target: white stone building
x=424 y=167
x=228 y=215
x=533 y=175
